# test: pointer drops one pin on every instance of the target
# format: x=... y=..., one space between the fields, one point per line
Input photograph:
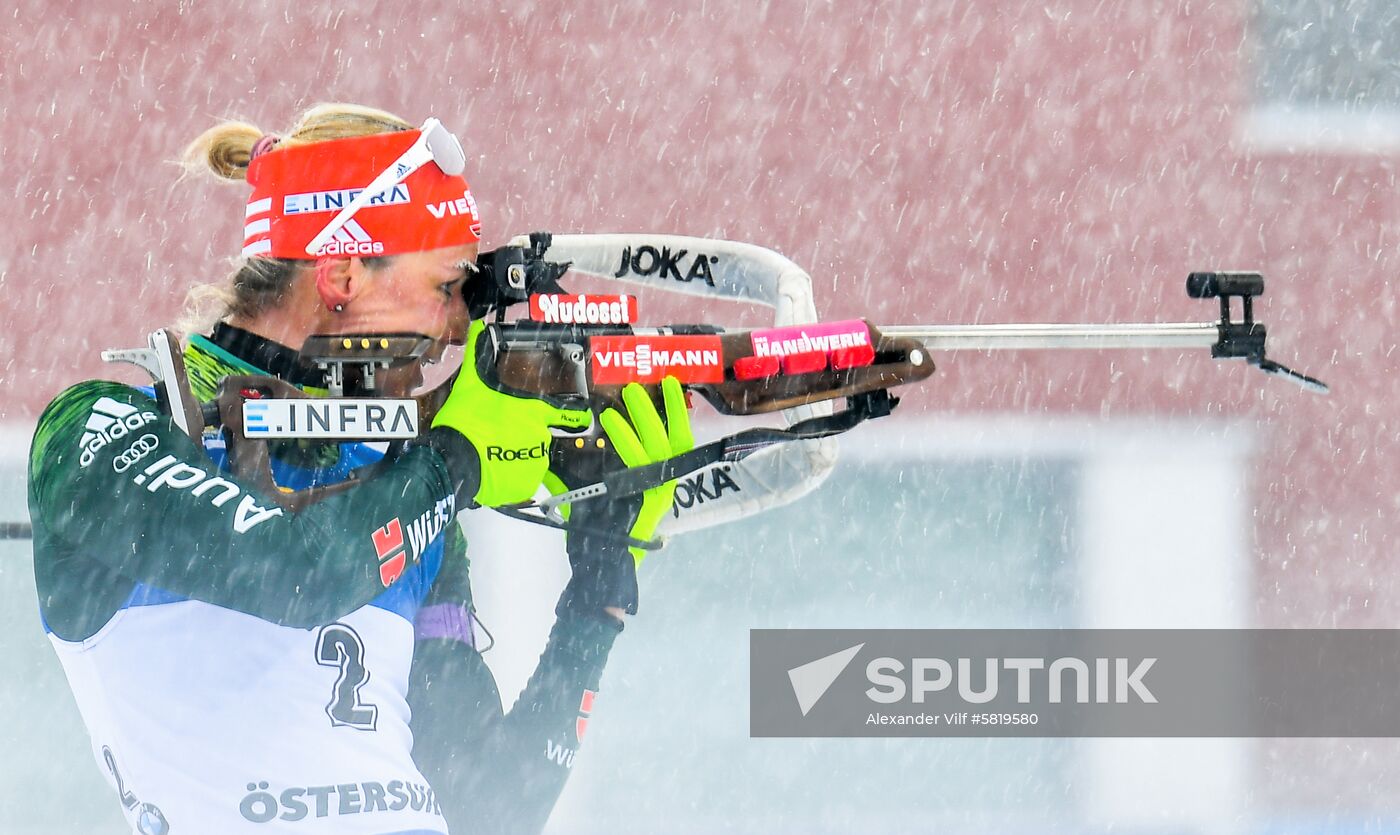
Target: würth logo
x=389 y=541
x=585 y=709
x=388 y=544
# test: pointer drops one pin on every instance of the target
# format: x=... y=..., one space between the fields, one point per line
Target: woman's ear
x=335 y=282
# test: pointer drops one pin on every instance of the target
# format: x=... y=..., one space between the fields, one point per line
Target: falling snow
x=942 y=163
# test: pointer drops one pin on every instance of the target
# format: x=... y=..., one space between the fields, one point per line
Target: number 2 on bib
x=339 y=646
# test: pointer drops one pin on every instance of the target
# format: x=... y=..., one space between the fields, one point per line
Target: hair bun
x=225 y=149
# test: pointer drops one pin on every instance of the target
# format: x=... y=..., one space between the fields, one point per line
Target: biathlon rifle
x=579 y=351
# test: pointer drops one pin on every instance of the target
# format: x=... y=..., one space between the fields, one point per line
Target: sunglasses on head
x=435 y=144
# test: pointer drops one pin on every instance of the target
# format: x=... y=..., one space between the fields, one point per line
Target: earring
x=340 y=308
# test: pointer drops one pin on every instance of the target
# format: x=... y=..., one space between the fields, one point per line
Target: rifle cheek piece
x=510 y=275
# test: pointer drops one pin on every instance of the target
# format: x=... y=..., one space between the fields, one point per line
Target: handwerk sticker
x=801 y=339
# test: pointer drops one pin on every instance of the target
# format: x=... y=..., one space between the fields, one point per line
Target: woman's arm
x=504 y=773
x=496 y=772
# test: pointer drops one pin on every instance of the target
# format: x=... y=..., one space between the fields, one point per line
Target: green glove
x=648 y=443
x=603 y=571
x=510 y=434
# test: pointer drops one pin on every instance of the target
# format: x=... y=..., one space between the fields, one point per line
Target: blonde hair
x=224 y=151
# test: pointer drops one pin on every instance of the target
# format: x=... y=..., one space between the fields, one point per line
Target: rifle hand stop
x=1243 y=339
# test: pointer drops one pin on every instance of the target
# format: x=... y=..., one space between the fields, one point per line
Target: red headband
x=298 y=189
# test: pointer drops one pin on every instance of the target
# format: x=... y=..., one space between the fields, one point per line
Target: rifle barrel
x=1058 y=336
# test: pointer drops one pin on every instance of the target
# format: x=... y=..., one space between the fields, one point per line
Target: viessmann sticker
x=617 y=360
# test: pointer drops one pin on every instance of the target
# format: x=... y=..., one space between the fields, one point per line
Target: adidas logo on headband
x=391 y=193
x=351 y=239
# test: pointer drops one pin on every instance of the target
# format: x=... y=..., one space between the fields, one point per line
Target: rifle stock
x=558 y=362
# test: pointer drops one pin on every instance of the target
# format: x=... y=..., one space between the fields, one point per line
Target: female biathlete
x=246 y=668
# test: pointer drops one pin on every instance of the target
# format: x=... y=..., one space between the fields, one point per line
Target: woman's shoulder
x=95 y=410
x=94 y=390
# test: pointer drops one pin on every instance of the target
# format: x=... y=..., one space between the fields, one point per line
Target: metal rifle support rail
x=1069 y=336
x=1226 y=339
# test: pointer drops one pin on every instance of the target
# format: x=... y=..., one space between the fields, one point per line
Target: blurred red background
x=967 y=163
